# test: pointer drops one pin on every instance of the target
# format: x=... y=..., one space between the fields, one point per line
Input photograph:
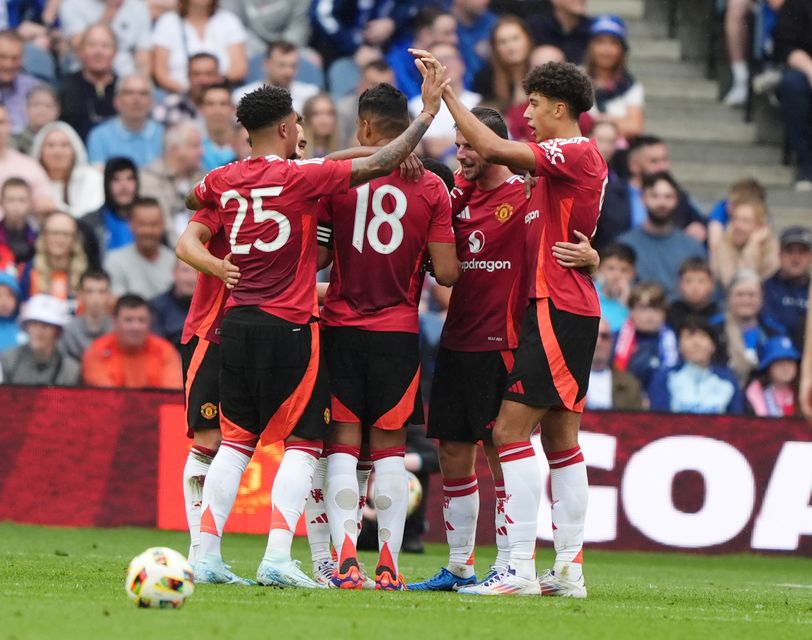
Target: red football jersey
x=488 y=301
x=380 y=236
x=268 y=208
x=209 y=299
x=575 y=177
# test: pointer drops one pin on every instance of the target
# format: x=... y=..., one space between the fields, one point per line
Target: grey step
x=777 y=197
x=691 y=110
x=682 y=88
x=702 y=130
x=783 y=217
x=655 y=49
x=720 y=152
x=645 y=29
x=627 y=9
x=646 y=70
x=768 y=175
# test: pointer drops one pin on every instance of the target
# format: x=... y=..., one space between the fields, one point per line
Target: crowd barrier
x=85 y=457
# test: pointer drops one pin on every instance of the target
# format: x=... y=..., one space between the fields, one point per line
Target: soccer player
x=490 y=208
x=378 y=237
x=549 y=379
x=271 y=383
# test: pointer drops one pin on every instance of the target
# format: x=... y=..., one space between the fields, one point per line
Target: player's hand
x=434 y=79
x=530 y=181
x=412 y=169
x=230 y=273
x=575 y=255
x=378 y=31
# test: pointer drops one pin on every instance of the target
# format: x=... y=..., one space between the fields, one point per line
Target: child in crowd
x=16 y=230
x=10 y=332
x=774 y=391
x=696 y=294
x=614 y=282
x=696 y=385
x=645 y=342
x=746 y=189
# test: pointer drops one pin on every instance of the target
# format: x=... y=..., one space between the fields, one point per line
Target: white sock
x=342 y=497
x=570 y=490
x=290 y=488
x=219 y=493
x=502 y=546
x=523 y=491
x=318 y=529
x=362 y=472
x=740 y=72
x=391 y=503
x=194 y=475
x=460 y=511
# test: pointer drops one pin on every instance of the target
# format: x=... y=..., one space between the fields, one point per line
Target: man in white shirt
x=610 y=389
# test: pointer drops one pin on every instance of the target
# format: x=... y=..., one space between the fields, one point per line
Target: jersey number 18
x=380 y=217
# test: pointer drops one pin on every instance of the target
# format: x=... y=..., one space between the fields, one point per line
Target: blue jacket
x=687 y=388
x=785 y=303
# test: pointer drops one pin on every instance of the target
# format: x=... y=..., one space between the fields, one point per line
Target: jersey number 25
x=260 y=216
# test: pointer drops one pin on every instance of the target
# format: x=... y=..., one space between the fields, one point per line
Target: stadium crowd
x=112 y=110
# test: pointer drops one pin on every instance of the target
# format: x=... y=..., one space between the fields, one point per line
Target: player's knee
x=457 y=459
x=208 y=438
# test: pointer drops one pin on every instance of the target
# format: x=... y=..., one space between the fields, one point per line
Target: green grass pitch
x=68 y=583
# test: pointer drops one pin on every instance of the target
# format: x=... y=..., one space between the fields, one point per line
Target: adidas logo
x=465 y=214
x=517 y=387
x=322 y=519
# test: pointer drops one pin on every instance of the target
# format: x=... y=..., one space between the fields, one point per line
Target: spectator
x=14 y=83
x=133 y=133
x=696 y=294
x=614 y=280
x=171 y=177
x=736 y=38
x=41 y=108
x=176 y=107
x=76 y=186
x=88 y=94
x=320 y=126
x=130 y=356
x=745 y=189
x=130 y=22
x=619 y=98
x=59 y=259
x=438 y=142
x=109 y=227
x=144 y=267
x=747 y=243
x=271 y=20
x=39 y=362
x=10 y=334
x=170 y=308
x=773 y=393
x=14 y=164
x=623 y=206
x=96 y=302
x=197 y=26
x=786 y=294
x=660 y=246
x=16 y=230
x=500 y=81
x=219 y=119
x=608 y=387
x=475 y=22
x=281 y=66
x=645 y=342
x=696 y=385
x=372 y=74
x=742 y=330
x=32 y=19
x=545 y=53
x=562 y=24
x=606 y=137
x=432 y=26
x=793 y=45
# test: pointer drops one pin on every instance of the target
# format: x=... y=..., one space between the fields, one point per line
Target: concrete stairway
x=711 y=145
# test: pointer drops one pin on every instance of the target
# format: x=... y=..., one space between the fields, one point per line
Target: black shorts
x=273 y=382
x=201 y=384
x=466 y=394
x=374 y=377
x=553 y=359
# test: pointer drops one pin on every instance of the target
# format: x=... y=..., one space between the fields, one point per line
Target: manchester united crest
x=208 y=411
x=504 y=212
x=327 y=416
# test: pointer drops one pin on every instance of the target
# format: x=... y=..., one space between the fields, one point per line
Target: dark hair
x=282 y=46
x=644 y=141
x=11 y=34
x=562 y=81
x=14 y=181
x=386 y=105
x=649 y=181
x=695 y=324
x=692 y=265
x=220 y=86
x=94 y=274
x=492 y=119
x=114 y=166
x=143 y=202
x=202 y=56
x=427 y=16
x=130 y=301
x=264 y=107
x=620 y=251
x=441 y=170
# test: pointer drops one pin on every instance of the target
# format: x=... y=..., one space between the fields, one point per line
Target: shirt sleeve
x=166 y=32
x=232 y=29
x=461 y=194
x=635 y=96
x=94 y=371
x=558 y=159
x=207 y=189
x=144 y=28
x=95 y=147
x=325 y=177
x=440 y=226
x=210 y=218
x=324 y=230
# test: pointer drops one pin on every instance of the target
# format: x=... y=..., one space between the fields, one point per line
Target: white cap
x=46 y=309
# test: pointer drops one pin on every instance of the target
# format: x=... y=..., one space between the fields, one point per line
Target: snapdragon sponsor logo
x=533 y=215
x=486 y=265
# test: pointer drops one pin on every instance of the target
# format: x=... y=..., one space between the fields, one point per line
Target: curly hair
x=562 y=81
x=264 y=107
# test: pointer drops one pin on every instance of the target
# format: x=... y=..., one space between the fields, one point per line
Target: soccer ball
x=159 y=578
x=415 y=493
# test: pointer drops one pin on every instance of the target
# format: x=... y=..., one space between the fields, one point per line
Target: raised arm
x=487 y=144
x=191 y=248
